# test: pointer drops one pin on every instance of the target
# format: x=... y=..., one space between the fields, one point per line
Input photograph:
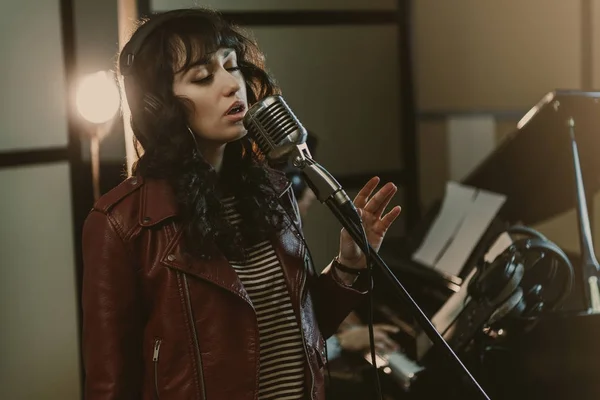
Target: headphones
x=503 y=281
x=133 y=47
x=136 y=42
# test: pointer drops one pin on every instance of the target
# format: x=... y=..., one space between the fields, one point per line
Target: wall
x=38 y=312
x=499 y=58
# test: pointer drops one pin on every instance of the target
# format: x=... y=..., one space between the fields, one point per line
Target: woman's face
x=215 y=86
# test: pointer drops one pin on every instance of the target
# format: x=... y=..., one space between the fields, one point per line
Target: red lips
x=236 y=108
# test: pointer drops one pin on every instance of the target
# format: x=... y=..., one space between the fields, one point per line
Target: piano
x=558 y=359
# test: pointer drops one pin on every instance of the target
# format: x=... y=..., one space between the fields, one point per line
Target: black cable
x=366 y=250
x=357 y=224
x=372 y=337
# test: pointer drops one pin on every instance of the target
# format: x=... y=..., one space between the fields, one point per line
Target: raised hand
x=376 y=224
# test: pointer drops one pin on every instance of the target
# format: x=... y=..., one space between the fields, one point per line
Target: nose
x=231 y=84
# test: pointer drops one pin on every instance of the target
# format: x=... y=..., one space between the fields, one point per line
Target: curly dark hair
x=159 y=122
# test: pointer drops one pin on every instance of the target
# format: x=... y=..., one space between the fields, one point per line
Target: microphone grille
x=274 y=127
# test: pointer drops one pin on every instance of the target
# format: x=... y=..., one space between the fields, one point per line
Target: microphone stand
x=329 y=191
x=589 y=263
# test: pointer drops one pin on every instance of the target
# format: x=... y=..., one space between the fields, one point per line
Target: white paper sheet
x=455 y=206
x=481 y=212
x=464 y=217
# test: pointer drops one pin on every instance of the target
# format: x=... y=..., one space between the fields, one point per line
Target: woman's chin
x=238 y=135
x=231 y=134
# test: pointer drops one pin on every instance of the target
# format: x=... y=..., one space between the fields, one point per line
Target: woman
x=197 y=283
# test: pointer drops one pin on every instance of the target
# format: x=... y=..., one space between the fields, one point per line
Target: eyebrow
x=206 y=59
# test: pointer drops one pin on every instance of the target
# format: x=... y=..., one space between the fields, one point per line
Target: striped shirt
x=281 y=374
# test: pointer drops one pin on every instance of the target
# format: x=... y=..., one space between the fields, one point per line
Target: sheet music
x=454 y=209
x=481 y=212
x=464 y=217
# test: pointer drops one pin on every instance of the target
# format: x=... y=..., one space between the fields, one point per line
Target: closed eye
x=203 y=81
x=209 y=78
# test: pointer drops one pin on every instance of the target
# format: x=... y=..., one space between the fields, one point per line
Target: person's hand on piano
x=356 y=339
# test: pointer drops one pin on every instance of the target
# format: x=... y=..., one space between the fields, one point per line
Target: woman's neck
x=213 y=154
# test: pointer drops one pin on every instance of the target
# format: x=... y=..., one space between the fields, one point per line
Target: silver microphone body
x=274 y=127
x=281 y=136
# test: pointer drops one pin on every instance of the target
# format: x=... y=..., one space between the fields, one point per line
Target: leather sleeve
x=332 y=300
x=112 y=318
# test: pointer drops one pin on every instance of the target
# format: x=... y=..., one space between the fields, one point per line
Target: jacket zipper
x=157 y=343
x=195 y=335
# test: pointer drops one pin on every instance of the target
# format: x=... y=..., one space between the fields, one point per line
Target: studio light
x=97 y=101
x=97 y=97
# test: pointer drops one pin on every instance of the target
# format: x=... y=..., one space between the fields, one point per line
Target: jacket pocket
x=155 y=356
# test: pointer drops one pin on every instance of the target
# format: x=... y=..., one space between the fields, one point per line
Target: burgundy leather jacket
x=160 y=325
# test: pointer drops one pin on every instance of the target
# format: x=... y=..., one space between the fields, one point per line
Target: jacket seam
x=115 y=225
x=119 y=231
x=189 y=329
x=169 y=234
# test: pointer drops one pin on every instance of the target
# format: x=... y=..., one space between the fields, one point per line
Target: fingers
x=382 y=348
x=390 y=217
x=360 y=201
x=386 y=200
x=381 y=199
x=357 y=339
x=383 y=341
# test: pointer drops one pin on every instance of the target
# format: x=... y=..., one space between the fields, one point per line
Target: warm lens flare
x=97 y=97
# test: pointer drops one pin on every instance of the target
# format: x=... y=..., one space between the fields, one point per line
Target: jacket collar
x=158 y=202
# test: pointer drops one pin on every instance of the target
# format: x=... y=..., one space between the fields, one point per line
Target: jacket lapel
x=290 y=250
x=158 y=203
x=214 y=269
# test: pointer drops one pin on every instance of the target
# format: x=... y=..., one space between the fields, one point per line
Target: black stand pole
x=328 y=191
x=590 y=268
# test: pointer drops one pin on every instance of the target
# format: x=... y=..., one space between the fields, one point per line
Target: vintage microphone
x=280 y=136
x=589 y=263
